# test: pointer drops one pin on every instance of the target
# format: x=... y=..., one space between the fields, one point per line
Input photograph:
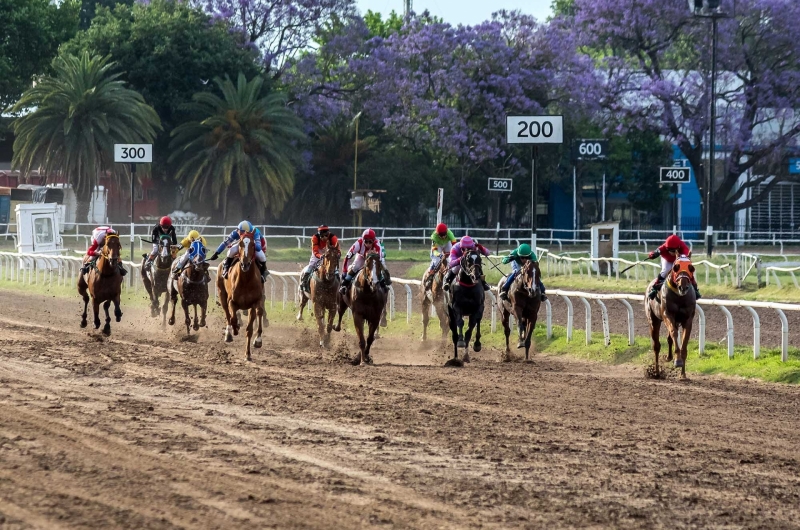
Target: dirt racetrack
x=145 y=430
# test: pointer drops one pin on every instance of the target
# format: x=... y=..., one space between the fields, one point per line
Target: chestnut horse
x=675 y=307
x=466 y=300
x=366 y=298
x=242 y=290
x=103 y=284
x=524 y=302
x=192 y=285
x=434 y=296
x=157 y=278
x=324 y=293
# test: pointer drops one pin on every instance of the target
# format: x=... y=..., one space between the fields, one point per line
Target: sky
x=455 y=12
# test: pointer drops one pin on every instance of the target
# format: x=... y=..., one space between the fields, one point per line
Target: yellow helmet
x=194 y=235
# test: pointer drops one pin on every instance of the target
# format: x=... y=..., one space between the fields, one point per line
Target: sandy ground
x=148 y=430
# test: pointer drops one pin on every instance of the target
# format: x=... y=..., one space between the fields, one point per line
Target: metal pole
x=355 y=172
x=534 y=152
x=603 y=215
x=575 y=200
x=133 y=184
x=713 y=141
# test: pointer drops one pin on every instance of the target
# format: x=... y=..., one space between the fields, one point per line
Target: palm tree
x=246 y=142
x=74 y=119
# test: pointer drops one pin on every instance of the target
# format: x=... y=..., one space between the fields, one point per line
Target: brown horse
x=324 y=293
x=104 y=284
x=242 y=290
x=156 y=279
x=675 y=307
x=524 y=302
x=192 y=285
x=434 y=296
x=366 y=298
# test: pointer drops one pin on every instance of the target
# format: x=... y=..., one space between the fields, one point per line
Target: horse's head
x=330 y=262
x=373 y=269
x=471 y=265
x=112 y=248
x=164 y=247
x=682 y=275
x=531 y=276
x=247 y=250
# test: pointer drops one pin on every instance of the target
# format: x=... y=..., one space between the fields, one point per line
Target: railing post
x=784 y=335
x=588 y=319
x=408 y=302
x=729 y=318
x=549 y=319
x=570 y=314
x=701 y=332
x=604 y=313
x=631 y=328
x=756 y=332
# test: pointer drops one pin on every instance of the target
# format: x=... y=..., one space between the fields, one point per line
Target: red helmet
x=322 y=228
x=165 y=221
x=369 y=233
x=674 y=242
x=441 y=229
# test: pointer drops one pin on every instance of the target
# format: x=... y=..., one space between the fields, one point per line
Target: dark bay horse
x=157 y=278
x=434 y=296
x=103 y=284
x=366 y=298
x=466 y=300
x=524 y=302
x=242 y=290
x=675 y=307
x=324 y=293
x=192 y=286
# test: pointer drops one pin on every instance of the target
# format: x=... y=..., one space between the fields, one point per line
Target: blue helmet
x=246 y=226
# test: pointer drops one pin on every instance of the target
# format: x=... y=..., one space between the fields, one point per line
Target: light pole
x=710 y=9
x=355 y=168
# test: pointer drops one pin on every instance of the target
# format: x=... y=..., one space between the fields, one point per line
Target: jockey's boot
x=504 y=295
x=448 y=279
x=428 y=283
x=386 y=280
x=264 y=272
x=305 y=281
x=656 y=287
x=697 y=294
x=176 y=273
x=485 y=285
x=122 y=271
x=148 y=264
x=226 y=265
x=541 y=290
x=345 y=284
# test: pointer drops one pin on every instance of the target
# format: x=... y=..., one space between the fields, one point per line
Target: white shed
x=38 y=228
x=605 y=244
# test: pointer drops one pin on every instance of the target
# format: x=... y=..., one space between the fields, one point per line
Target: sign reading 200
x=534 y=130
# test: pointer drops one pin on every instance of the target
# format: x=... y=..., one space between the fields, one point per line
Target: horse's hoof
x=257 y=343
x=171 y=321
x=356 y=360
x=455 y=363
x=84 y=323
x=107 y=330
x=669 y=357
x=203 y=323
x=466 y=358
x=337 y=328
x=521 y=344
x=196 y=326
x=299 y=317
x=679 y=363
x=477 y=346
x=228 y=338
x=249 y=358
x=236 y=331
x=461 y=344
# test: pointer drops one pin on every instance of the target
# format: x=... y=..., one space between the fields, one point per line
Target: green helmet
x=524 y=250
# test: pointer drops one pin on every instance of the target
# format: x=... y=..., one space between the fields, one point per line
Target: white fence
x=33 y=269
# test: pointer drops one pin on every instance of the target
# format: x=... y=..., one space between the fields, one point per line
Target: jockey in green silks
x=517 y=257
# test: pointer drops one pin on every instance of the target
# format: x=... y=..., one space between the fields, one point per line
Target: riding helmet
x=165 y=221
x=441 y=229
x=524 y=250
x=674 y=242
x=467 y=242
x=194 y=235
x=322 y=229
x=245 y=226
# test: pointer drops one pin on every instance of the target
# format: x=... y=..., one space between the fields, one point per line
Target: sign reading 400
x=534 y=129
x=133 y=153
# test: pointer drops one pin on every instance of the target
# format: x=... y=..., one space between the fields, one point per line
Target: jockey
x=320 y=241
x=162 y=229
x=442 y=240
x=366 y=244
x=190 y=254
x=245 y=227
x=517 y=257
x=670 y=251
x=96 y=249
x=466 y=243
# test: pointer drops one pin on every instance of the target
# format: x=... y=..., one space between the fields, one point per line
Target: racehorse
x=675 y=306
x=366 y=298
x=242 y=290
x=466 y=300
x=434 y=296
x=524 y=301
x=104 y=284
x=156 y=279
x=192 y=285
x=324 y=293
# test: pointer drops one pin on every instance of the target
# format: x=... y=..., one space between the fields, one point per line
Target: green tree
x=89 y=10
x=30 y=33
x=247 y=142
x=168 y=51
x=383 y=28
x=75 y=118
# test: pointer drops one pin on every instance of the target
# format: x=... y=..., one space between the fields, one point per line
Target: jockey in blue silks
x=245 y=227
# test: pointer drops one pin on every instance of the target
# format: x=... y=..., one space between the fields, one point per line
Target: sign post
x=534 y=130
x=133 y=154
x=439 y=205
x=587 y=149
x=676 y=176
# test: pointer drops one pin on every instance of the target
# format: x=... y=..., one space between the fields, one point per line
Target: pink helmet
x=467 y=242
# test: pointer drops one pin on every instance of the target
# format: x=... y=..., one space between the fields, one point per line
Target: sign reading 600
x=133 y=153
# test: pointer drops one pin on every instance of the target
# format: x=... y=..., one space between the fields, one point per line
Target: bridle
x=372 y=260
x=681 y=276
x=529 y=277
x=107 y=252
x=471 y=265
x=245 y=259
x=330 y=263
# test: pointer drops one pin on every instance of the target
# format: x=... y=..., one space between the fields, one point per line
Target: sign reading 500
x=534 y=129
x=133 y=153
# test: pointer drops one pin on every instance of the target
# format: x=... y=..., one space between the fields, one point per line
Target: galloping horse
x=104 y=284
x=434 y=297
x=675 y=306
x=242 y=290
x=366 y=298
x=192 y=285
x=466 y=300
x=524 y=301
x=324 y=293
x=156 y=279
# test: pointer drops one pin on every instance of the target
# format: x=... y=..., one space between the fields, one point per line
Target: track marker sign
x=497 y=184
x=675 y=175
x=133 y=153
x=794 y=166
x=590 y=149
x=534 y=129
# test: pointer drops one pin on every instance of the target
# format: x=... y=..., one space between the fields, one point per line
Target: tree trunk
x=83 y=201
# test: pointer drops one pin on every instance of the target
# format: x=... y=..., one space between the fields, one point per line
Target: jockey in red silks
x=671 y=250
x=466 y=244
x=96 y=248
x=320 y=242
x=366 y=244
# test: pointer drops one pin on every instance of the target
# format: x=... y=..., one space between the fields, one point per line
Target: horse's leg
x=468 y=336
x=444 y=320
x=303 y=302
x=117 y=310
x=319 y=316
x=530 y=324
x=460 y=325
x=186 y=320
x=260 y=311
x=224 y=302
x=342 y=307
x=107 y=327
x=173 y=297
x=235 y=320
x=426 y=315
x=251 y=317
x=195 y=321
x=673 y=341
x=687 y=331
x=96 y=309
x=164 y=310
x=453 y=317
x=655 y=329
x=358 y=322
x=477 y=346
x=83 y=288
x=522 y=325
x=331 y=315
x=203 y=306
x=370 y=339
x=506 y=317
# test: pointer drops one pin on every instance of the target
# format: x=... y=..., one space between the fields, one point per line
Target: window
x=43 y=231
